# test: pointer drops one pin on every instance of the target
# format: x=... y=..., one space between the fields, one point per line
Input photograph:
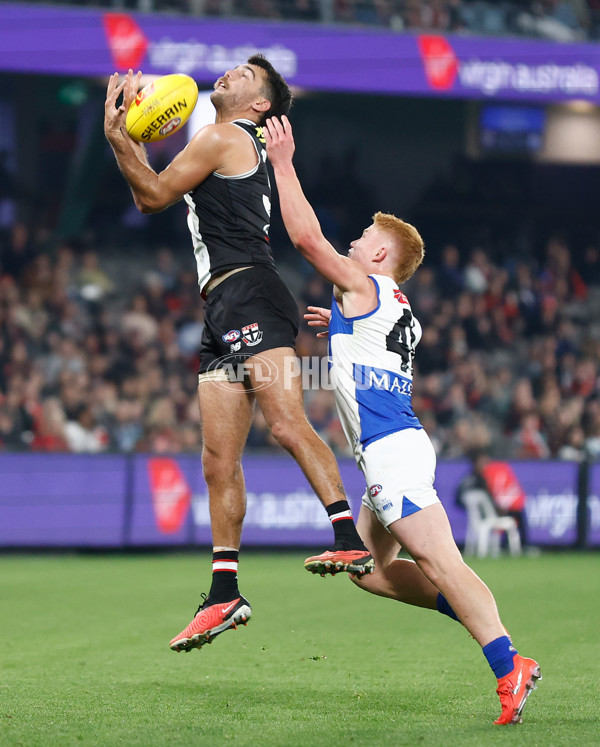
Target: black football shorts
x=249 y=312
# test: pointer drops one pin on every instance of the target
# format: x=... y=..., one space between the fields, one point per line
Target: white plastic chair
x=485 y=527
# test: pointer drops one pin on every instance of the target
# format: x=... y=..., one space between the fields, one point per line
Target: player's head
x=389 y=246
x=407 y=249
x=254 y=90
x=275 y=89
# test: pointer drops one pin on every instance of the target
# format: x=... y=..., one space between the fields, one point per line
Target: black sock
x=344 y=529
x=224 y=585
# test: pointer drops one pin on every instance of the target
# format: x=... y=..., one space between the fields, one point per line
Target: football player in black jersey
x=250 y=318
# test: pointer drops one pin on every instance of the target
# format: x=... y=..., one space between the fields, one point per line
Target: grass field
x=85 y=658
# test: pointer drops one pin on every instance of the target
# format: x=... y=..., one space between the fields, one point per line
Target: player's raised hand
x=114 y=116
x=132 y=84
x=317 y=316
x=279 y=140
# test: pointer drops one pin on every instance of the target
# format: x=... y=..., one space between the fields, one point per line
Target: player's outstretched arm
x=299 y=218
x=154 y=192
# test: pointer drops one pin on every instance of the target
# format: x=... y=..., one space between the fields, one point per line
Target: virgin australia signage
x=71 y=41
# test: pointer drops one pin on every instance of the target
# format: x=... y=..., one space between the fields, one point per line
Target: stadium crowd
x=558 y=20
x=508 y=361
x=98 y=352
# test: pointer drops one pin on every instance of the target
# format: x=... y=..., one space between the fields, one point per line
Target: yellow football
x=161 y=108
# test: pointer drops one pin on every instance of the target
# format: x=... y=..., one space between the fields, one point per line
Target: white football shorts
x=399 y=470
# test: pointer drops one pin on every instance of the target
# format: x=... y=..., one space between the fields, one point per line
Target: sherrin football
x=161 y=108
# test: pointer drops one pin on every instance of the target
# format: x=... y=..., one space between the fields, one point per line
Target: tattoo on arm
x=340 y=488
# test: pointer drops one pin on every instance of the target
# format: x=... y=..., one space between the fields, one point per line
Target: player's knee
x=435 y=568
x=285 y=432
x=218 y=466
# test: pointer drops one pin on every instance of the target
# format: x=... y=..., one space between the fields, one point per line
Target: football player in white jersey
x=372 y=342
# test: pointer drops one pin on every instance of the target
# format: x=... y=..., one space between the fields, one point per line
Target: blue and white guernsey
x=371 y=359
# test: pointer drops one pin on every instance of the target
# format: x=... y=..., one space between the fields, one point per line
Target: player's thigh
x=275 y=380
x=382 y=545
x=226 y=412
x=426 y=535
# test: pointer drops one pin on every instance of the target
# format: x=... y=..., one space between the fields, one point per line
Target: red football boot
x=211 y=620
x=515 y=688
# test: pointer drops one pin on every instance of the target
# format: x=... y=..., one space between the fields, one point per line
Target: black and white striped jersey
x=229 y=216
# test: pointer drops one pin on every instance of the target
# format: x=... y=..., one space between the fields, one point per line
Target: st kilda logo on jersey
x=251 y=334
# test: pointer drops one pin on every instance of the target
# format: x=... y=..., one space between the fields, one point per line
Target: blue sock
x=444 y=607
x=500 y=655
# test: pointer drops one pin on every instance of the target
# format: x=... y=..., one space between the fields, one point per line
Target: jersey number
x=401 y=340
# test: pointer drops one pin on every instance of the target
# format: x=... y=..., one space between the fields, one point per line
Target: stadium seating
x=485 y=527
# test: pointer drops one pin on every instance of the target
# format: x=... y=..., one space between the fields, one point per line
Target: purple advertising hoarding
x=170 y=502
x=120 y=501
x=162 y=489
x=447 y=478
x=551 y=500
x=45 y=39
x=61 y=500
x=594 y=507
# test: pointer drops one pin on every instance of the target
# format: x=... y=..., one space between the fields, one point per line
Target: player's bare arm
x=302 y=225
x=214 y=148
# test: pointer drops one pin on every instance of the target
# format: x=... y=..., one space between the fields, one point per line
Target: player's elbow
x=147 y=209
x=147 y=205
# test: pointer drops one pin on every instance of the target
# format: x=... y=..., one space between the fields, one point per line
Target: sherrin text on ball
x=161 y=108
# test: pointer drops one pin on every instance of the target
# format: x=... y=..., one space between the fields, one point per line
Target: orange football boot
x=515 y=688
x=210 y=621
x=356 y=562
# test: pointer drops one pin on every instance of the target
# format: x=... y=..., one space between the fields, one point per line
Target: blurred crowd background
x=100 y=326
x=559 y=20
x=101 y=355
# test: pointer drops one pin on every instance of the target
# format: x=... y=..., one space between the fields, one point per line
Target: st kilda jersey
x=229 y=216
x=371 y=359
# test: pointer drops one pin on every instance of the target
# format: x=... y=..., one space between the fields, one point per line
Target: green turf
x=84 y=657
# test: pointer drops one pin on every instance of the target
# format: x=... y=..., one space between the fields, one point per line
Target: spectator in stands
x=83 y=434
x=529 y=441
x=92 y=281
x=11 y=432
x=49 y=427
x=573 y=448
x=19 y=251
x=499 y=482
x=450 y=277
